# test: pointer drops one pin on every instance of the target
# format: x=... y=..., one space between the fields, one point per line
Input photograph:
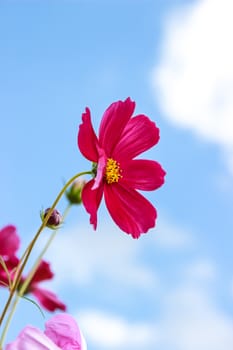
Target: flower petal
x=113 y=123
x=87 y=140
x=100 y=168
x=42 y=273
x=32 y=338
x=47 y=299
x=139 y=135
x=91 y=199
x=132 y=212
x=145 y=175
x=9 y=241
x=63 y=330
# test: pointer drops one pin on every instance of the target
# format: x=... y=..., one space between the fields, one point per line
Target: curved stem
x=40 y=256
x=32 y=243
x=29 y=278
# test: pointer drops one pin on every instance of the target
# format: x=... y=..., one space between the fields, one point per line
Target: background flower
x=61 y=332
x=45 y=297
x=10 y=241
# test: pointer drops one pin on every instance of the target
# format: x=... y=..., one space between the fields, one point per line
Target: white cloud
x=193 y=83
x=192 y=320
x=201 y=270
x=170 y=236
x=187 y=315
x=108 y=253
x=191 y=317
x=107 y=331
x=79 y=254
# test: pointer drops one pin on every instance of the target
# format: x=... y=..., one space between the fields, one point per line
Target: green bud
x=74 y=193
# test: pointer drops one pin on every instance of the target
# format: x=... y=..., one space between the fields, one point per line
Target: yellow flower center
x=112 y=171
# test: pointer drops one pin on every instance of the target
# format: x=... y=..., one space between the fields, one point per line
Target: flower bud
x=54 y=220
x=74 y=193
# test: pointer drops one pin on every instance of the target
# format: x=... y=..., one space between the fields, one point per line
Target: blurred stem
x=28 y=251
x=40 y=256
x=29 y=278
x=8 y=321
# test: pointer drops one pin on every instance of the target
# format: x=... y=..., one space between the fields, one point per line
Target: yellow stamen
x=112 y=171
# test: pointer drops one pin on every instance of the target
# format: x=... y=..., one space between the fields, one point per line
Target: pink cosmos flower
x=118 y=175
x=9 y=244
x=61 y=333
x=9 y=241
x=45 y=297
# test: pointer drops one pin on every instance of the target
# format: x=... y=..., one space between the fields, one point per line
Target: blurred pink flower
x=117 y=174
x=46 y=298
x=61 y=333
x=9 y=244
x=9 y=241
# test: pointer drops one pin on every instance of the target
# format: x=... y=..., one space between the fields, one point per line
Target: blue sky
x=172 y=288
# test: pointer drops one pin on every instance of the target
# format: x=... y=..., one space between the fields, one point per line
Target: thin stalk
x=26 y=283
x=29 y=278
x=32 y=243
x=8 y=321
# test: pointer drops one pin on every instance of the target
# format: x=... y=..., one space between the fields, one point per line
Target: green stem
x=8 y=321
x=32 y=243
x=26 y=283
x=29 y=278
